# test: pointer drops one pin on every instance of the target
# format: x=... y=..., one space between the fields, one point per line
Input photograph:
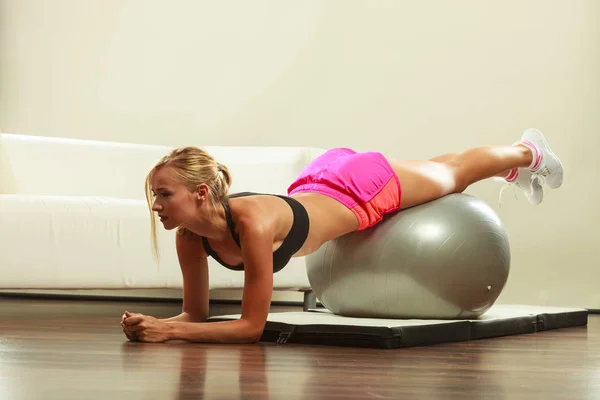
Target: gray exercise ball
x=445 y=259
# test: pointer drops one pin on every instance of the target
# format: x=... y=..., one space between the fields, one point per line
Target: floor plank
x=74 y=349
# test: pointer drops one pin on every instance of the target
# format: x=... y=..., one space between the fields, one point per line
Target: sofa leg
x=310 y=300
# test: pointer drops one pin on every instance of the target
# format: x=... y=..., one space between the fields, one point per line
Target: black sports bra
x=291 y=244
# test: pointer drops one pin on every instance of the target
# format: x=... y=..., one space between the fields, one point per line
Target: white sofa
x=73 y=213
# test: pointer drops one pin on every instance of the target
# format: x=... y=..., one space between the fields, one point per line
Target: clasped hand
x=144 y=328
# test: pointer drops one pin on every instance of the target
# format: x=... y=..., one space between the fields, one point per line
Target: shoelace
x=534 y=176
x=540 y=176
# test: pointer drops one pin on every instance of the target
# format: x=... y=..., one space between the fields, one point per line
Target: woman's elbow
x=252 y=334
x=252 y=339
x=201 y=318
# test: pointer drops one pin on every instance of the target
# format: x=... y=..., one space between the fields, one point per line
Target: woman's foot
x=545 y=164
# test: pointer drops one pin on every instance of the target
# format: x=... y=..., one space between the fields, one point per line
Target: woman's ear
x=202 y=191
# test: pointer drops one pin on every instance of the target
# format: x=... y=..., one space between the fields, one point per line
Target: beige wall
x=413 y=79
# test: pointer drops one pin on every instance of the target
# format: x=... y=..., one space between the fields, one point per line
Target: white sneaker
x=528 y=182
x=546 y=165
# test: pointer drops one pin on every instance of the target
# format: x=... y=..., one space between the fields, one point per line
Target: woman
x=339 y=192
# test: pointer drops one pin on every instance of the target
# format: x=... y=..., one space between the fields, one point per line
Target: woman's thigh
x=424 y=180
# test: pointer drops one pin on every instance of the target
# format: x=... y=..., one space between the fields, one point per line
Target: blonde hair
x=193 y=166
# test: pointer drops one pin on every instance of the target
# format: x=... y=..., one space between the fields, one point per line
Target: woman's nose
x=156 y=207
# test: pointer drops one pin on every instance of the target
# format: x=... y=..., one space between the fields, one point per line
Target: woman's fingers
x=130 y=335
x=130 y=321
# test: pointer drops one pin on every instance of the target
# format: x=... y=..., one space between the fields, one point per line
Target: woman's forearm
x=237 y=331
x=183 y=317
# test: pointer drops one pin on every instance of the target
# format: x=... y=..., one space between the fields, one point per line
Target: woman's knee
x=460 y=179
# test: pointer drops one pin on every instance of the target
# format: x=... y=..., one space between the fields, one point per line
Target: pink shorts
x=364 y=182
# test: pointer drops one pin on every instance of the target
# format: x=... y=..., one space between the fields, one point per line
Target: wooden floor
x=75 y=349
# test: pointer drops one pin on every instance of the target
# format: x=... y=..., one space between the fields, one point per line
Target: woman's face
x=173 y=201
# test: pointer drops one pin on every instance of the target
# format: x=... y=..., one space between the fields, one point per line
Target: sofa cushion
x=93 y=242
x=73 y=167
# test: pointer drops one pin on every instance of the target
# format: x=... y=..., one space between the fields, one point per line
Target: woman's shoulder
x=189 y=241
x=263 y=212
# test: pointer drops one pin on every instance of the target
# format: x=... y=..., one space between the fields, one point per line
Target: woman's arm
x=257 y=251
x=194 y=270
x=183 y=317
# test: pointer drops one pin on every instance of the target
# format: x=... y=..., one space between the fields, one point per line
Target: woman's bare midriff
x=328 y=219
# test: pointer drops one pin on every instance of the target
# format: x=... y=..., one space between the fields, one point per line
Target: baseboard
x=220 y=296
x=284 y=296
x=131 y=296
x=82 y=296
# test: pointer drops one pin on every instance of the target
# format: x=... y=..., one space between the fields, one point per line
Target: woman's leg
x=451 y=156
x=423 y=181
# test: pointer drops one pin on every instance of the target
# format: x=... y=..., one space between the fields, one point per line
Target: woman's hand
x=130 y=334
x=144 y=328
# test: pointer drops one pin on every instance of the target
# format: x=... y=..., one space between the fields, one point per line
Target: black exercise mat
x=321 y=327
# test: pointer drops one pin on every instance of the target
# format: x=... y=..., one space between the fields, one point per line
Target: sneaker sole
x=555 y=185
